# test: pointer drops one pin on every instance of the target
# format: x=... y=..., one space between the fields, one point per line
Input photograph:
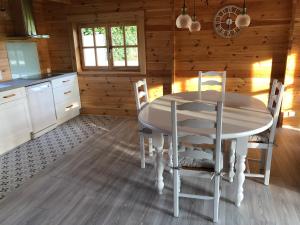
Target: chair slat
x=211 y=82
x=196 y=154
x=142 y=94
x=195 y=140
x=197 y=106
x=197 y=123
x=208 y=79
x=213 y=73
x=140 y=83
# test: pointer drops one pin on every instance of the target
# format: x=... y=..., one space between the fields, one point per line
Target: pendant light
x=183 y=20
x=243 y=20
x=3 y=11
x=2 y=6
x=195 y=25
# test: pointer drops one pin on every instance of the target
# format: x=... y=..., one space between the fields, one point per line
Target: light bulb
x=242 y=21
x=183 y=21
x=195 y=26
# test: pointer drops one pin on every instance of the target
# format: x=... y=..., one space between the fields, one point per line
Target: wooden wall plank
x=102 y=94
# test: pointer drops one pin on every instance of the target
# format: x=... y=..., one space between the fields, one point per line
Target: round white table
x=243 y=116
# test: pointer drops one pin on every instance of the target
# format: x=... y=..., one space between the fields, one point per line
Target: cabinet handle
x=65 y=81
x=70 y=106
x=67 y=92
x=9 y=96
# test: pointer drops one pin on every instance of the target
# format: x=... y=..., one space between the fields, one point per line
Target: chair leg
x=216 y=198
x=263 y=160
x=176 y=192
x=142 y=151
x=232 y=160
x=151 y=150
x=268 y=165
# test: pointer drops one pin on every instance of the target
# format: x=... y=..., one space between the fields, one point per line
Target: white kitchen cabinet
x=15 y=127
x=41 y=108
x=66 y=97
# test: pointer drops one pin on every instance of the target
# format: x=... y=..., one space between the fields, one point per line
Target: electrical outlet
x=1 y=77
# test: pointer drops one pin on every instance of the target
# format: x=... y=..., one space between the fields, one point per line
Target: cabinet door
x=15 y=126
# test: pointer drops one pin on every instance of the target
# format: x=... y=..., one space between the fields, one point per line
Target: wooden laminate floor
x=101 y=183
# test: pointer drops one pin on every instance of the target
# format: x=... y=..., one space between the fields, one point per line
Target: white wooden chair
x=212 y=78
x=142 y=99
x=265 y=140
x=197 y=162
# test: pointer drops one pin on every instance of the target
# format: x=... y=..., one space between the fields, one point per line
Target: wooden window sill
x=112 y=73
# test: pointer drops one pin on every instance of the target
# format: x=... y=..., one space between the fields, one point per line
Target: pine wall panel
x=252 y=59
x=113 y=93
x=268 y=49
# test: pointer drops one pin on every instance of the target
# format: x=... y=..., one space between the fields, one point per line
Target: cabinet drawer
x=65 y=93
x=65 y=109
x=11 y=95
x=64 y=81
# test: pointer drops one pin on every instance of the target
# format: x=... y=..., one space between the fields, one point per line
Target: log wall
x=112 y=93
x=268 y=49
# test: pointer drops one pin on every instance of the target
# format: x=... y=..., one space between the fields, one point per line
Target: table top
x=242 y=115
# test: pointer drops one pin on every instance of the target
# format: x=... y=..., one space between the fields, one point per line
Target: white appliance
x=41 y=107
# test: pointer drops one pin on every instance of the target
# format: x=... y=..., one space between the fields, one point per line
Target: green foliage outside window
x=117 y=39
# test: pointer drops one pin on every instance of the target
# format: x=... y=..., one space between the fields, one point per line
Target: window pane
x=102 y=57
x=117 y=37
x=89 y=57
x=87 y=37
x=118 y=57
x=132 y=56
x=131 y=35
x=100 y=36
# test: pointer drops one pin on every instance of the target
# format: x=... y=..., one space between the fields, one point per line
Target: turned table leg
x=170 y=153
x=241 y=153
x=159 y=170
x=232 y=160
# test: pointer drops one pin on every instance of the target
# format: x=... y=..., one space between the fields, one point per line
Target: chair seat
x=261 y=137
x=146 y=130
x=197 y=159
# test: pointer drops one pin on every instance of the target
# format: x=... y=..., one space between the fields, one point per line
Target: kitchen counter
x=18 y=83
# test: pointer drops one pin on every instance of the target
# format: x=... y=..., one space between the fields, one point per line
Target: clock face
x=224 y=22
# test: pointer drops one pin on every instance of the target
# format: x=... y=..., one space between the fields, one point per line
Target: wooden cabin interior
x=94 y=56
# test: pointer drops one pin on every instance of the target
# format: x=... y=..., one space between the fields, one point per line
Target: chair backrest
x=141 y=94
x=274 y=105
x=202 y=125
x=212 y=78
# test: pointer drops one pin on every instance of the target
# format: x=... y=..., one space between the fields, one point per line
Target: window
x=110 y=47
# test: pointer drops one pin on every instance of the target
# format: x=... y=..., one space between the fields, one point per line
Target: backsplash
x=23 y=59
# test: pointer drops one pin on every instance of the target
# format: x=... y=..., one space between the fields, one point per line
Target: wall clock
x=224 y=21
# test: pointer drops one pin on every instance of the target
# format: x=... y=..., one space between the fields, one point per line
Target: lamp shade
x=195 y=26
x=242 y=21
x=183 y=21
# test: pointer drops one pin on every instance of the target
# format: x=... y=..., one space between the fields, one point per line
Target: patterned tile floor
x=23 y=162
